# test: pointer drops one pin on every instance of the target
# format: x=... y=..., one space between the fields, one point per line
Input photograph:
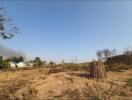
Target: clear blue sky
x=67 y=29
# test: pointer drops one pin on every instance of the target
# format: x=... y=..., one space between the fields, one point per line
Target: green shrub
x=129 y=82
x=4 y=65
x=95 y=98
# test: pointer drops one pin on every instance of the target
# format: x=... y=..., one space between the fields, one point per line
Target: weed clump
x=129 y=82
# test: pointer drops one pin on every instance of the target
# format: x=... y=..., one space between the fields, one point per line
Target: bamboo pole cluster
x=97 y=70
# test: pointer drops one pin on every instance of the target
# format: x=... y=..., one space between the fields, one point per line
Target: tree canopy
x=37 y=62
x=7 y=28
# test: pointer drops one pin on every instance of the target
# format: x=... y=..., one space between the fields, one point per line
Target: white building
x=12 y=64
x=21 y=65
x=17 y=65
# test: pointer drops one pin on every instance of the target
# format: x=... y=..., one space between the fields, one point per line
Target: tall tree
x=7 y=28
x=51 y=63
x=15 y=59
x=37 y=62
x=107 y=53
x=20 y=59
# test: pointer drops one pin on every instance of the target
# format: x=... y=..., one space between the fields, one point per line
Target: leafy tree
x=107 y=53
x=37 y=62
x=14 y=59
x=7 y=28
x=5 y=64
x=37 y=59
x=7 y=31
x=20 y=59
x=44 y=62
x=17 y=59
x=51 y=63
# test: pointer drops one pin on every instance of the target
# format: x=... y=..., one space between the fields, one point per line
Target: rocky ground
x=36 y=84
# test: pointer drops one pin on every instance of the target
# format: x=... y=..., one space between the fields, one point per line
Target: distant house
x=17 y=65
x=21 y=65
x=12 y=64
x=30 y=64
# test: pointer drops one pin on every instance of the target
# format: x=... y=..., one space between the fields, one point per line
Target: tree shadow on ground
x=83 y=75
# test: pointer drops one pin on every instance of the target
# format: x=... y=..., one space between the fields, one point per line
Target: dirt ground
x=74 y=85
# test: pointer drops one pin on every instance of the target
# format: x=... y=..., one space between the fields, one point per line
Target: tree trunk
x=97 y=70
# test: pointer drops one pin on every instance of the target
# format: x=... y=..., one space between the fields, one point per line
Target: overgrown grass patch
x=95 y=98
x=113 y=93
x=129 y=82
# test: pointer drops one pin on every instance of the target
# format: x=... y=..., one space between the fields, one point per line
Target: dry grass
x=129 y=83
x=40 y=84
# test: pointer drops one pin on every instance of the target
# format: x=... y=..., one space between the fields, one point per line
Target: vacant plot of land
x=38 y=85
